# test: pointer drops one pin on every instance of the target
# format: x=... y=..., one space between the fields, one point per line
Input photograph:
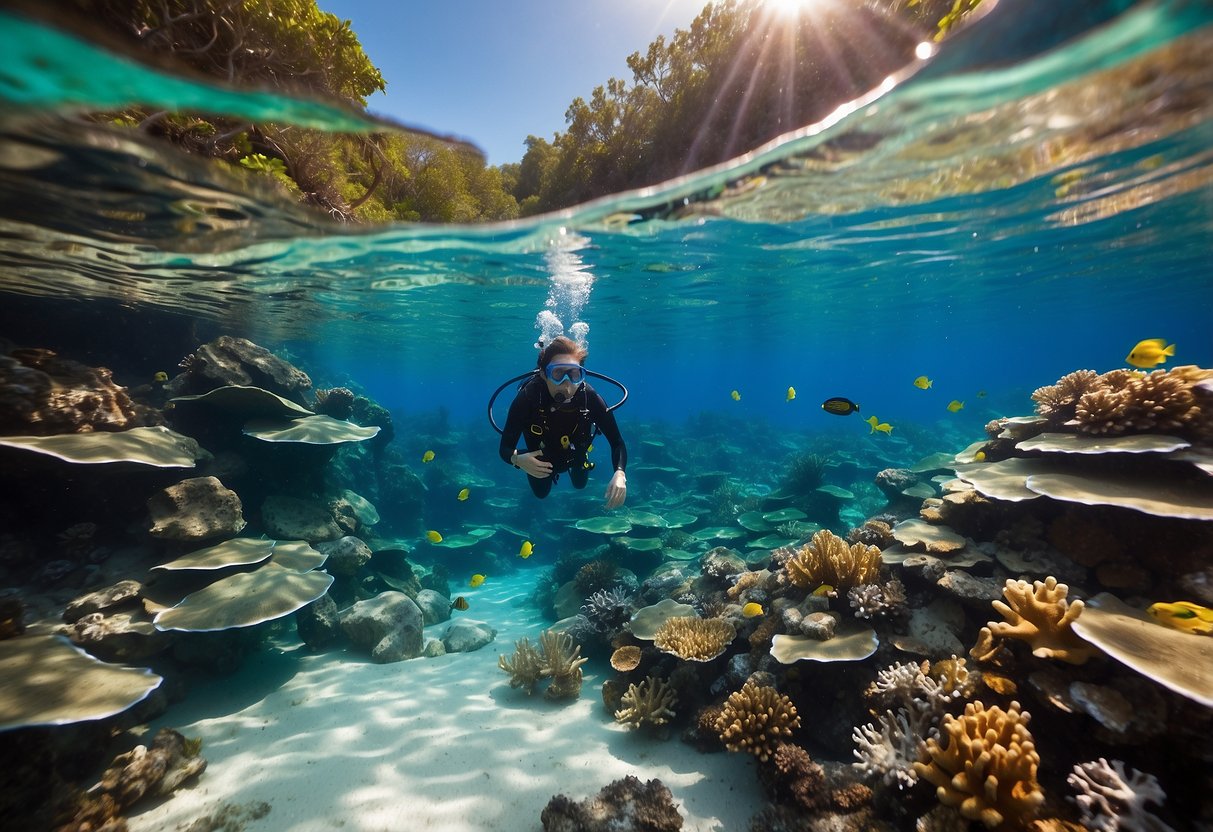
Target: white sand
x=332 y=741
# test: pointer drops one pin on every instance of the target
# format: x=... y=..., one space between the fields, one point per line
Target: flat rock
x=196 y=509
x=969 y=589
x=933 y=627
x=466 y=635
x=120 y=594
x=387 y=626
x=346 y=555
x=289 y=518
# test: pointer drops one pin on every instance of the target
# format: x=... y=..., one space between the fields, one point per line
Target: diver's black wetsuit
x=535 y=416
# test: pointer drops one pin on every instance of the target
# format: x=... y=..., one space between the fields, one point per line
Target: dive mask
x=560 y=373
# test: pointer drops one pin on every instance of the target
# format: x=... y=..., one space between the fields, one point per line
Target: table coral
x=649 y=703
x=695 y=639
x=828 y=559
x=1038 y=614
x=755 y=718
x=986 y=767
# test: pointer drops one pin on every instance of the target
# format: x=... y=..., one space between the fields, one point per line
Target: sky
x=494 y=72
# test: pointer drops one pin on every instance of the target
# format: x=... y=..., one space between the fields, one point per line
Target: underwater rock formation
x=228 y=360
x=626 y=805
x=290 y=518
x=755 y=718
x=465 y=636
x=337 y=402
x=195 y=510
x=388 y=626
x=346 y=555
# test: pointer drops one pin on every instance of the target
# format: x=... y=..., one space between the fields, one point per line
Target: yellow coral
x=652 y=702
x=1038 y=614
x=694 y=639
x=987 y=769
x=828 y=559
x=754 y=719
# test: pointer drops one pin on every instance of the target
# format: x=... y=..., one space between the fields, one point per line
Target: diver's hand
x=617 y=490
x=533 y=465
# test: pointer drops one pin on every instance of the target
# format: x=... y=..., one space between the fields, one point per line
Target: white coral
x=889 y=749
x=909 y=685
x=1111 y=800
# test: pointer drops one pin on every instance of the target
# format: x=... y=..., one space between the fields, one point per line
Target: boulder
x=388 y=626
x=194 y=510
x=123 y=593
x=465 y=635
x=289 y=518
x=435 y=606
x=228 y=360
x=346 y=555
x=318 y=623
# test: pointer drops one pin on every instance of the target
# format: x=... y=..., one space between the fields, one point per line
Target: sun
x=788 y=8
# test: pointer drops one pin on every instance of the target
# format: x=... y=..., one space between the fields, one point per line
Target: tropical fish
x=1150 y=353
x=980 y=456
x=527 y=548
x=433 y=536
x=460 y=604
x=839 y=406
x=922 y=382
x=463 y=494
x=791 y=394
x=1183 y=615
x=955 y=405
x=824 y=589
x=428 y=456
x=736 y=396
x=160 y=377
x=751 y=609
x=476 y=580
x=877 y=425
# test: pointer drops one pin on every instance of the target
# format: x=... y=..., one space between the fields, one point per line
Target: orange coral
x=1038 y=614
x=755 y=718
x=694 y=639
x=828 y=559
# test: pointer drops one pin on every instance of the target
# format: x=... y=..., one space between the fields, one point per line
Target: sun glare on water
x=789 y=8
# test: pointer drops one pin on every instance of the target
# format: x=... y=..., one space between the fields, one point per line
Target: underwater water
x=1007 y=213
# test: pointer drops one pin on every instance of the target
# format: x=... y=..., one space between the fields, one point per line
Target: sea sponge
x=986 y=767
x=651 y=702
x=828 y=559
x=695 y=639
x=755 y=718
x=1038 y=614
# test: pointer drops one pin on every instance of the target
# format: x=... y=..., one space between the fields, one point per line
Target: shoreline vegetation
x=737 y=76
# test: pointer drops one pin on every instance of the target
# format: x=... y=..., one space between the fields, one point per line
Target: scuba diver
x=558 y=414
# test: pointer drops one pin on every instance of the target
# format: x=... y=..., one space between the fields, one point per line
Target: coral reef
x=626 y=805
x=987 y=766
x=1038 y=614
x=337 y=402
x=626 y=659
x=595 y=576
x=792 y=778
x=888 y=749
x=1126 y=402
x=878 y=600
x=558 y=658
x=1057 y=402
x=1111 y=799
x=607 y=610
x=694 y=639
x=828 y=559
x=874 y=532
x=525 y=666
x=649 y=703
x=755 y=718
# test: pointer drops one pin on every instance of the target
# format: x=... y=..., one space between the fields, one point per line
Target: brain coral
x=694 y=639
x=755 y=718
x=985 y=766
x=828 y=559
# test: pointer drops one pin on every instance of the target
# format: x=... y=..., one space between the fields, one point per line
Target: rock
x=465 y=635
x=346 y=555
x=388 y=626
x=435 y=607
x=970 y=590
x=893 y=481
x=195 y=510
x=289 y=518
x=627 y=805
x=228 y=360
x=934 y=627
x=123 y=593
x=318 y=623
x=928 y=567
x=722 y=562
x=121 y=637
x=433 y=647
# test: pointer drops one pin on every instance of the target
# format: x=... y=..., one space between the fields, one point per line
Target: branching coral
x=828 y=559
x=755 y=718
x=1124 y=401
x=606 y=611
x=1057 y=402
x=888 y=749
x=649 y=703
x=1111 y=799
x=694 y=639
x=562 y=661
x=1038 y=614
x=525 y=666
x=954 y=677
x=886 y=600
x=744 y=581
x=986 y=767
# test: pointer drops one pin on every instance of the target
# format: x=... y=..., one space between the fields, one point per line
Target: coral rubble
x=626 y=805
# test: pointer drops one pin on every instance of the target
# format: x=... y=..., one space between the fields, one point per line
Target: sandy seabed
x=332 y=741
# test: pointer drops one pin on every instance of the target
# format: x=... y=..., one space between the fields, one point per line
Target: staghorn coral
x=888 y=749
x=649 y=703
x=525 y=666
x=1038 y=614
x=1111 y=799
x=828 y=559
x=754 y=718
x=1057 y=402
x=562 y=661
x=887 y=600
x=694 y=639
x=987 y=766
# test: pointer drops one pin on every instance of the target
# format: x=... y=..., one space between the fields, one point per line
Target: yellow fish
x=824 y=589
x=476 y=580
x=525 y=551
x=751 y=609
x=459 y=603
x=922 y=382
x=463 y=494
x=980 y=456
x=955 y=405
x=1150 y=353
x=428 y=456
x=433 y=536
x=877 y=425
x=160 y=377
x=1183 y=615
x=791 y=394
x=736 y=396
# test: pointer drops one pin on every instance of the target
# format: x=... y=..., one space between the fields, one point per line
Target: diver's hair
x=561 y=345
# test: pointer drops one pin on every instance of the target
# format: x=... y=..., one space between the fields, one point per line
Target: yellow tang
x=1183 y=615
x=476 y=580
x=824 y=589
x=433 y=536
x=1150 y=353
x=160 y=377
x=791 y=394
x=955 y=405
x=463 y=494
x=751 y=609
x=877 y=425
x=922 y=382
x=980 y=456
x=736 y=396
x=527 y=548
x=428 y=456
x=459 y=603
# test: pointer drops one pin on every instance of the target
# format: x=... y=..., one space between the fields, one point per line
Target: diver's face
x=564 y=389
